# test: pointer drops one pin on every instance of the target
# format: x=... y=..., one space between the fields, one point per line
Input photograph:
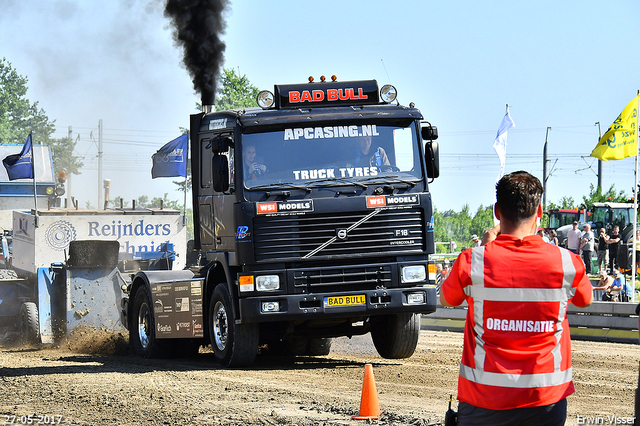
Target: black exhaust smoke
x=198 y=25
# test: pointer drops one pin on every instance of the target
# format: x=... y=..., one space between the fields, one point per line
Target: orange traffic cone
x=369 y=405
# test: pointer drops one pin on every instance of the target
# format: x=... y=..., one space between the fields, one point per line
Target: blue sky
x=564 y=65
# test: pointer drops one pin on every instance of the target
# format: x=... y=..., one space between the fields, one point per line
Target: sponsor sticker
x=291 y=207
x=392 y=200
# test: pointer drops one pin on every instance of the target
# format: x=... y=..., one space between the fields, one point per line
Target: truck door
x=216 y=207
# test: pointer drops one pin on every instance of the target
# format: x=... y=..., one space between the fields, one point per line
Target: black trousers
x=586 y=257
x=613 y=260
x=548 y=415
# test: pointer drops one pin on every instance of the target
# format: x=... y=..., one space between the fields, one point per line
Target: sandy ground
x=91 y=379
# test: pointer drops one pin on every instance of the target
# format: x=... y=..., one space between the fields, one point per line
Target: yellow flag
x=620 y=139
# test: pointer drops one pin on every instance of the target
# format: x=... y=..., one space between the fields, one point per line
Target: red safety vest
x=517 y=347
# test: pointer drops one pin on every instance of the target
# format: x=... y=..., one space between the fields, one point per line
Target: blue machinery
x=86 y=290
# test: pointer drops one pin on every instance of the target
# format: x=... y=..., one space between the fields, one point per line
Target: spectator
x=614 y=244
x=620 y=285
x=587 y=245
x=476 y=240
x=573 y=238
x=606 y=281
x=516 y=357
x=602 y=250
x=553 y=237
x=542 y=235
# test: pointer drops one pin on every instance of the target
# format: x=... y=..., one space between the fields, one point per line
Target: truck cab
x=313 y=219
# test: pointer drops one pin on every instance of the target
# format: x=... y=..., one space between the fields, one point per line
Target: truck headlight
x=267 y=282
x=413 y=273
x=415 y=298
x=270 y=306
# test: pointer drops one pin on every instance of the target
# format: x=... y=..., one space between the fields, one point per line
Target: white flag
x=500 y=143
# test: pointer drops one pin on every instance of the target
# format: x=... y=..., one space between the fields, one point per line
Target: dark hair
x=518 y=196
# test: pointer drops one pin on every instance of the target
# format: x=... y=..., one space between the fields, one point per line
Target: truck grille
x=327 y=280
x=309 y=236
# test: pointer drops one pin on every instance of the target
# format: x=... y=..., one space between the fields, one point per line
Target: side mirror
x=219 y=144
x=220 y=173
x=432 y=158
x=429 y=133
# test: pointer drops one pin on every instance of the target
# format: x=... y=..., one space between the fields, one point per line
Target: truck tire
x=142 y=331
x=319 y=347
x=29 y=323
x=234 y=345
x=395 y=336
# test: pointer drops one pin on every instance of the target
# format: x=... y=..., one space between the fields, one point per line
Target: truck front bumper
x=365 y=303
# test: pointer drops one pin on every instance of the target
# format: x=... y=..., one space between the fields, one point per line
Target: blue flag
x=171 y=159
x=20 y=166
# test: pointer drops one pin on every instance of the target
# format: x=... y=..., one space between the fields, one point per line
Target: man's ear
x=496 y=211
x=539 y=213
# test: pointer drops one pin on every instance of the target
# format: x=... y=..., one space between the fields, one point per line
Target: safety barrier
x=602 y=321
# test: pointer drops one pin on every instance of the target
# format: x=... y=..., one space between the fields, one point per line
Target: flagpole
x=186 y=159
x=635 y=217
x=33 y=172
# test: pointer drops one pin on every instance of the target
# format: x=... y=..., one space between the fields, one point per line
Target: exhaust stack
x=208 y=99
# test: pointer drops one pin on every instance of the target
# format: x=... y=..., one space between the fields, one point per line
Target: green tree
x=452 y=226
x=19 y=117
x=63 y=157
x=143 y=202
x=235 y=91
x=596 y=196
x=482 y=221
x=117 y=201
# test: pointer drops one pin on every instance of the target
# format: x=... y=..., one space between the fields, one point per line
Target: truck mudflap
x=269 y=308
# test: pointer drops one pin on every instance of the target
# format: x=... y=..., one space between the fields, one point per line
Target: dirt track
x=86 y=385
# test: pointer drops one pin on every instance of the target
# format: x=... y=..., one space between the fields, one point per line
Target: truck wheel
x=29 y=323
x=142 y=331
x=395 y=336
x=234 y=345
x=319 y=347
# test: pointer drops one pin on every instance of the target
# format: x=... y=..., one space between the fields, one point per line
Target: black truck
x=312 y=220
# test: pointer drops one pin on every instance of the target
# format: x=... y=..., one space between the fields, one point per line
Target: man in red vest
x=516 y=360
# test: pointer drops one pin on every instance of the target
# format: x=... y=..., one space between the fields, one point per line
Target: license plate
x=358 y=299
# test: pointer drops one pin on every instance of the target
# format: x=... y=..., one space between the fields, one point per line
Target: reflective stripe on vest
x=480 y=294
x=508 y=380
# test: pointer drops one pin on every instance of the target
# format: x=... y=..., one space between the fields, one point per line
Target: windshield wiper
x=283 y=185
x=340 y=180
x=388 y=179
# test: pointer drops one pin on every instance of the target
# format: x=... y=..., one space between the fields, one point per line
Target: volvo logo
x=342 y=234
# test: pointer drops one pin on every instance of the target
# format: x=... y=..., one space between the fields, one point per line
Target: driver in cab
x=368 y=157
x=252 y=169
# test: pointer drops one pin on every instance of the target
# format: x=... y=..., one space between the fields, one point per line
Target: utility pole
x=100 y=198
x=544 y=171
x=599 y=161
x=68 y=183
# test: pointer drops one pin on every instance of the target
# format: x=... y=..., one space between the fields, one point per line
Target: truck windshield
x=330 y=155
